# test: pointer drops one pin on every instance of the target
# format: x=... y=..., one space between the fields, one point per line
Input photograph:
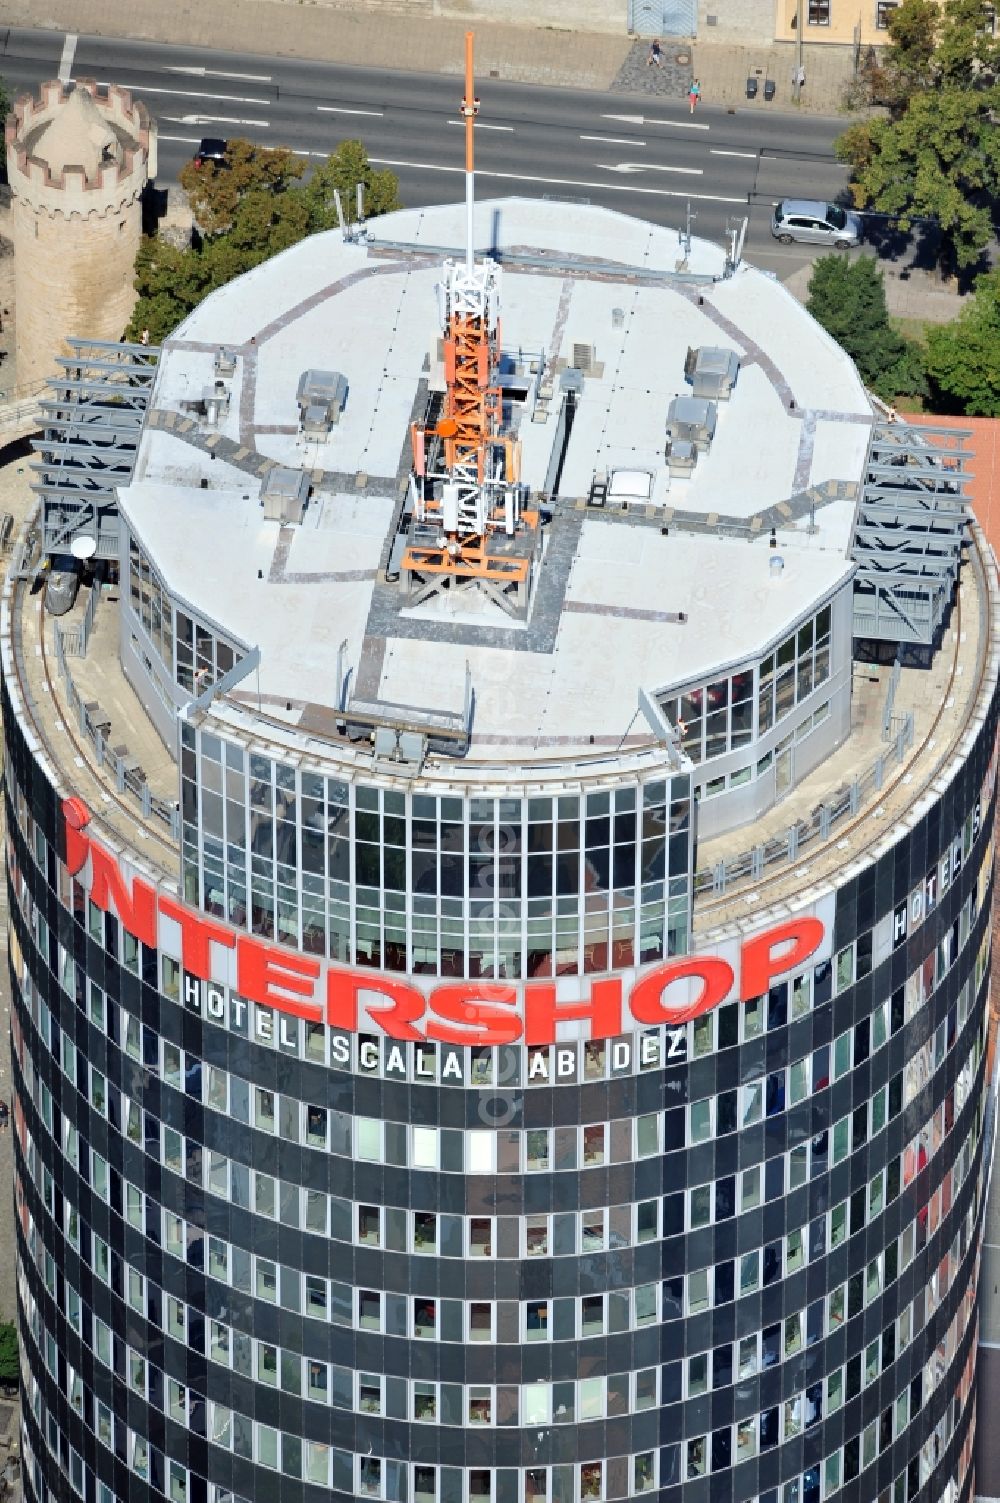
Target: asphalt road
x=639 y=156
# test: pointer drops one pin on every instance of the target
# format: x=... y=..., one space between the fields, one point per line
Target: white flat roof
x=788 y=452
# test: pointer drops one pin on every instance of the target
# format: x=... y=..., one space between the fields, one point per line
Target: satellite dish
x=84 y=545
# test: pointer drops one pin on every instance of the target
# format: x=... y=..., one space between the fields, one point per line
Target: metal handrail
x=819 y=825
x=128 y=779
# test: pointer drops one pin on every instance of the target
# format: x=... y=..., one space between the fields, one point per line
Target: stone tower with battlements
x=78 y=158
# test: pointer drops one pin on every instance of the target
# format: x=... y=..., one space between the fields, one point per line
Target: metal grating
x=93 y=420
x=908 y=533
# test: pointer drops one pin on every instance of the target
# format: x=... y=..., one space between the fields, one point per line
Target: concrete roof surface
x=611 y=586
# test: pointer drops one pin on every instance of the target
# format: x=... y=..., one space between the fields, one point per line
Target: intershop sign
x=479 y=1013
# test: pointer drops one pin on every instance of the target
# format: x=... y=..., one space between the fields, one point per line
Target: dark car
x=212 y=149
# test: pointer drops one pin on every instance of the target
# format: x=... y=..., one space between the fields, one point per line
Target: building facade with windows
x=508 y=1024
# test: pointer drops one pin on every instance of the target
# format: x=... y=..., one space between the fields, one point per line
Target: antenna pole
x=470 y=109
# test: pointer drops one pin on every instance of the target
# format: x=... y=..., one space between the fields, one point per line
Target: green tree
x=940 y=160
x=10 y=1369
x=848 y=299
x=348 y=166
x=963 y=357
x=937 y=156
x=907 y=62
x=216 y=191
x=260 y=211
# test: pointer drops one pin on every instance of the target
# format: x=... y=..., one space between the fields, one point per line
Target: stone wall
x=746 y=22
x=73 y=276
x=609 y=16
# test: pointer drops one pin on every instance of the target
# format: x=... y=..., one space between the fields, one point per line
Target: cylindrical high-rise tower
x=78 y=159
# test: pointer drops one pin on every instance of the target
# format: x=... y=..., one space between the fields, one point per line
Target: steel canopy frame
x=909 y=529
x=93 y=423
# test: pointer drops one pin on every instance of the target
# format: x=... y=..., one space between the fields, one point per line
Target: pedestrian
x=694 y=94
x=655 y=55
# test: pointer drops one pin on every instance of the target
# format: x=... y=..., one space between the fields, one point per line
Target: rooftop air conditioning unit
x=682 y=456
x=321 y=396
x=584 y=358
x=284 y=494
x=225 y=362
x=712 y=372
x=692 y=420
x=216 y=402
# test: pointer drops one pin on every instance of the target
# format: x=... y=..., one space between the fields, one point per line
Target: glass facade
x=448 y=885
x=263 y=1259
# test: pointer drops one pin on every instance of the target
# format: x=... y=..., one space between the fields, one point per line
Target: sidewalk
x=377 y=38
x=723 y=72
x=909 y=293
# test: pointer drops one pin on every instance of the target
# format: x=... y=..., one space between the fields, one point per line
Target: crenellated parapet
x=79 y=151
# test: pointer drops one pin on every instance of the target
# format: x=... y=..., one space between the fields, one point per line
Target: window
x=370 y=1225
x=369 y=1393
x=883 y=11
x=592 y=1315
x=591 y=1480
x=424 y=1484
x=480 y=1406
x=592 y=1231
x=424 y=1317
x=537 y=1320
x=593 y=1144
x=480 y=1321
x=536 y=1236
x=425 y=1401
x=425 y=1147
x=424 y=1232
x=537 y=1149
x=481 y=1237
x=370 y=1310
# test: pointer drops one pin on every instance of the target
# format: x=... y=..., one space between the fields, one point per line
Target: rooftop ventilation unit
x=225 y=362
x=215 y=399
x=712 y=372
x=284 y=494
x=692 y=420
x=321 y=396
x=690 y=430
x=584 y=358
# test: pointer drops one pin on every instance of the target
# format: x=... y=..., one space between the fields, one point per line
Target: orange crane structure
x=468 y=513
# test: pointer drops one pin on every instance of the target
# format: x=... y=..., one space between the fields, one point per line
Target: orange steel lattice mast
x=475 y=494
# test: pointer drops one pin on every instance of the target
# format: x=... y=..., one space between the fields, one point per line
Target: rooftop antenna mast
x=470 y=526
x=470 y=109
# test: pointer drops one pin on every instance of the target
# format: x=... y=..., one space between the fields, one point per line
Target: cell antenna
x=470 y=109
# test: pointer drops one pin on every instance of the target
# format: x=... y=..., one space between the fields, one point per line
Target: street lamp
x=797 y=81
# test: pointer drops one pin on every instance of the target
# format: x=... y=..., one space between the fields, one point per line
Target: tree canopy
x=247 y=212
x=10 y=1369
x=963 y=357
x=848 y=299
x=217 y=190
x=937 y=154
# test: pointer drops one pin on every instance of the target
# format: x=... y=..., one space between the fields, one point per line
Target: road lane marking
x=187 y=140
x=649 y=167
x=66 y=61
x=142 y=89
x=614 y=140
x=215 y=120
x=563 y=182
x=716 y=151
x=675 y=124
x=213 y=73
x=481 y=125
x=337 y=109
